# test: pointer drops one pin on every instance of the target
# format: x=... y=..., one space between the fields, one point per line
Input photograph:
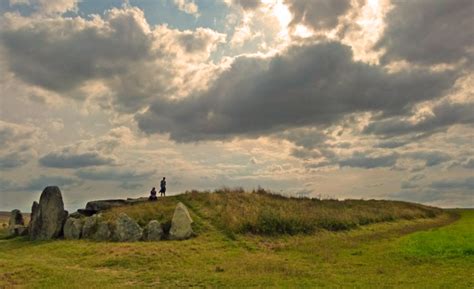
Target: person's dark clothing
x=153 y=195
x=163 y=188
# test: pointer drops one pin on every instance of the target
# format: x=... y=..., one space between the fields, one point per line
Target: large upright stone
x=181 y=224
x=16 y=224
x=153 y=231
x=49 y=216
x=127 y=230
x=73 y=228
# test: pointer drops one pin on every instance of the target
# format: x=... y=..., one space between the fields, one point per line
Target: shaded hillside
x=259 y=212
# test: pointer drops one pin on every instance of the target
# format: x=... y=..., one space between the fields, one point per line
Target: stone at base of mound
x=127 y=230
x=90 y=227
x=153 y=231
x=181 y=224
x=73 y=228
x=103 y=233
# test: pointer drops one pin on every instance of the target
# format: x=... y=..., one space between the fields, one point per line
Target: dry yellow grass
x=260 y=212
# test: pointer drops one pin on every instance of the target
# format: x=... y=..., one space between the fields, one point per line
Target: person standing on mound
x=163 y=187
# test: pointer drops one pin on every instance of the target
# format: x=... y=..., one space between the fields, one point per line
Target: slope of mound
x=259 y=212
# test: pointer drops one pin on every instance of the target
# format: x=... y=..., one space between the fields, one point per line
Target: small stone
x=90 y=227
x=73 y=228
x=127 y=230
x=153 y=231
x=103 y=232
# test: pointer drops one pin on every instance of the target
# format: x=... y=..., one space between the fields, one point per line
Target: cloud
x=39 y=183
x=115 y=174
x=467 y=183
x=131 y=60
x=318 y=14
x=361 y=160
x=429 y=32
x=247 y=4
x=17 y=144
x=48 y=7
x=69 y=159
x=443 y=116
x=11 y=133
x=314 y=84
x=187 y=6
x=431 y=158
x=13 y=160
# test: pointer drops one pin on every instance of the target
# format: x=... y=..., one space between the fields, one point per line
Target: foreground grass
x=374 y=256
x=455 y=241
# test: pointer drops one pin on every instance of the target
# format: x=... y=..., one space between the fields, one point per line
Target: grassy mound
x=260 y=212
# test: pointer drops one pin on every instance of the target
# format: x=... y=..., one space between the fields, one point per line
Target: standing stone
x=34 y=217
x=181 y=223
x=90 y=227
x=49 y=216
x=127 y=230
x=73 y=228
x=103 y=232
x=16 y=224
x=153 y=231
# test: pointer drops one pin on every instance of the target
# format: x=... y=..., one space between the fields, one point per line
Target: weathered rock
x=127 y=230
x=86 y=213
x=73 y=228
x=90 y=227
x=102 y=205
x=34 y=217
x=181 y=224
x=153 y=231
x=103 y=232
x=49 y=216
x=16 y=223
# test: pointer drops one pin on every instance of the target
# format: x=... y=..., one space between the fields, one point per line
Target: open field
x=430 y=252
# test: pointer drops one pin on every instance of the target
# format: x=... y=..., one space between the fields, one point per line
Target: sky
x=346 y=99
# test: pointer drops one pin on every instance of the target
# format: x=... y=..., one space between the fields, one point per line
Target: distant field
x=5 y=216
x=422 y=252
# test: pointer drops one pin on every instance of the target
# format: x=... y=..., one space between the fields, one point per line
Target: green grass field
x=434 y=252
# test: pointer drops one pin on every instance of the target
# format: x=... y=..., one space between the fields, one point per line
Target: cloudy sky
x=322 y=98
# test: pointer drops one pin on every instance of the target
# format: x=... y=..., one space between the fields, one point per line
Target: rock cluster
x=49 y=220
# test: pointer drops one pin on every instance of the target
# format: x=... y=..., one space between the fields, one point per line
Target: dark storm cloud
x=392 y=144
x=308 y=85
x=429 y=32
x=134 y=61
x=467 y=183
x=247 y=4
x=13 y=160
x=431 y=158
x=61 y=53
x=444 y=115
x=361 y=160
x=39 y=183
x=114 y=174
x=66 y=159
x=317 y=14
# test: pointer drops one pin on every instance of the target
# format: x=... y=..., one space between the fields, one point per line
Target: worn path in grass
x=384 y=255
